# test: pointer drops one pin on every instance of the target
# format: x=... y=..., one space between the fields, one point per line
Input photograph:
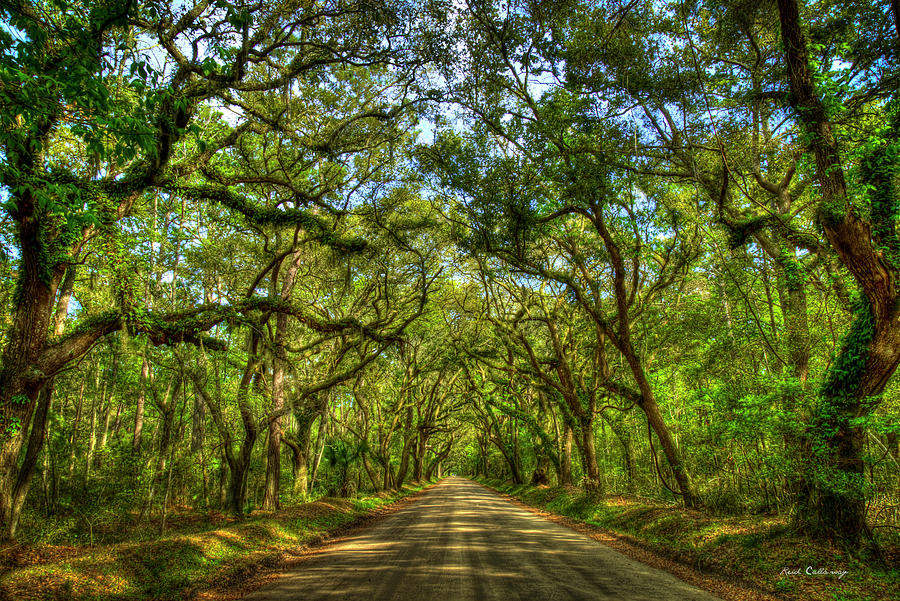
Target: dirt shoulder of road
x=255 y=575
x=737 y=559
x=216 y=565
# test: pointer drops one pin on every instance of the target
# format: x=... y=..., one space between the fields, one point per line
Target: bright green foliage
x=846 y=372
x=606 y=261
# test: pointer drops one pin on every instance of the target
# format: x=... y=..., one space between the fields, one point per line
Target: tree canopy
x=638 y=247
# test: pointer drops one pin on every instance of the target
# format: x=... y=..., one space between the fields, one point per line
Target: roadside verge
x=736 y=558
x=219 y=564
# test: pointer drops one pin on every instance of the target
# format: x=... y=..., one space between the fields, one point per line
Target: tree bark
x=408 y=442
x=419 y=471
x=300 y=444
x=20 y=381
x=539 y=476
x=435 y=465
x=236 y=498
x=12 y=501
x=589 y=456
x=271 y=500
x=832 y=498
x=36 y=439
x=565 y=461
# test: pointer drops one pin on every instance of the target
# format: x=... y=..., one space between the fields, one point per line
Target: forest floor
x=221 y=561
x=735 y=557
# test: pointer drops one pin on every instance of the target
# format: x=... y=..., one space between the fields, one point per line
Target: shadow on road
x=461 y=541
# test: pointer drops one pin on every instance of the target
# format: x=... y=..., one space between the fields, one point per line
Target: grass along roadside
x=759 y=554
x=179 y=566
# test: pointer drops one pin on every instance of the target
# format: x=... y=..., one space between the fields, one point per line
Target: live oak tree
x=641 y=247
x=548 y=341
x=571 y=239
x=82 y=72
x=862 y=233
x=545 y=123
x=771 y=120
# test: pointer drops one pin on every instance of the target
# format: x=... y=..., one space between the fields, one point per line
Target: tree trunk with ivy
x=832 y=500
x=32 y=358
x=52 y=225
x=300 y=444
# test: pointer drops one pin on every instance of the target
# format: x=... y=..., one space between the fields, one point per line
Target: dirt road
x=461 y=541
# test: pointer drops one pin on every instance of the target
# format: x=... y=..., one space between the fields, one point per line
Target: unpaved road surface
x=460 y=541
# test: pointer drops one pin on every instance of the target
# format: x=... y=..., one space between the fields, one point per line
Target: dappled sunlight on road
x=461 y=541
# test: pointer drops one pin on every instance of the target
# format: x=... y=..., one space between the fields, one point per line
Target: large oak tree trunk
x=435 y=466
x=236 y=497
x=20 y=387
x=421 y=448
x=301 y=445
x=25 y=391
x=589 y=456
x=271 y=500
x=408 y=443
x=565 y=460
x=832 y=499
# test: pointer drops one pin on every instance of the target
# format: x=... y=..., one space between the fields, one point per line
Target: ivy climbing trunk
x=24 y=398
x=832 y=498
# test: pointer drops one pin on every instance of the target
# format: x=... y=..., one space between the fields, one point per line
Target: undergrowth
x=179 y=565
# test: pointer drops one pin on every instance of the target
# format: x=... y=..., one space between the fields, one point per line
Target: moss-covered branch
x=314 y=225
x=190 y=326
